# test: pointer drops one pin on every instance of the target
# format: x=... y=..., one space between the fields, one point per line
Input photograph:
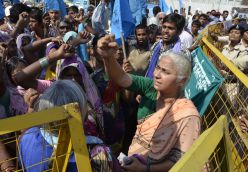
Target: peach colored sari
x=176 y=126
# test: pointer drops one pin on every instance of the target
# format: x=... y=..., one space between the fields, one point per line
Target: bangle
x=44 y=62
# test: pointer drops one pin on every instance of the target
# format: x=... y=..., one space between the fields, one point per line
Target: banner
x=204 y=82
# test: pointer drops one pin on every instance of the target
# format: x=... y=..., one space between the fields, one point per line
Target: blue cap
x=236 y=27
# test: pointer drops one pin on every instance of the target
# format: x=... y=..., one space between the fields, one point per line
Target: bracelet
x=44 y=62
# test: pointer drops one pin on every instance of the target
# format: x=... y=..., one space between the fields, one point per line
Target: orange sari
x=175 y=126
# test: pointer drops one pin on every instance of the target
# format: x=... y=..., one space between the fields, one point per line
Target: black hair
x=203 y=15
x=159 y=31
x=36 y=14
x=67 y=22
x=237 y=27
x=73 y=8
x=16 y=10
x=194 y=16
x=156 y=10
x=179 y=20
x=12 y=64
x=140 y=26
x=152 y=28
x=196 y=22
x=90 y=8
x=175 y=11
x=225 y=11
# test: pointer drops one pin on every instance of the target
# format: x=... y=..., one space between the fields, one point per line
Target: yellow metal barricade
x=65 y=121
x=223 y=147
x=203 y=148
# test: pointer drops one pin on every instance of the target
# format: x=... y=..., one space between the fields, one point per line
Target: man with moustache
x=172 y=26
x=139 y=54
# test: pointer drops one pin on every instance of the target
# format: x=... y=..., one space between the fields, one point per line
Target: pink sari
x=175 y=126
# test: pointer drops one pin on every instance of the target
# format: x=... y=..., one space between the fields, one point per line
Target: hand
x=30 y=97
x=135 y=166
x=127 y=67
x=83 y=37
x=107 y=46
x=63 y=52
x=23 y=19
x=194 y=46
x=80 y=18
x=57 y=40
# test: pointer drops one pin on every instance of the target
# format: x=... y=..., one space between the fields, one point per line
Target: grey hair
x=182 y=63
x=60 y=93
x=160 y=13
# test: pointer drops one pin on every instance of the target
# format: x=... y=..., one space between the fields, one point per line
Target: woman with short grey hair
x=168 y=123
x=182 y=61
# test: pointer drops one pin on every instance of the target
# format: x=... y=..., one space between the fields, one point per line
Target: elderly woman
x=168 y=123
x=37 y=144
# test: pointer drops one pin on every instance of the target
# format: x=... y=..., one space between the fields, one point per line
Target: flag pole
x=123 y=46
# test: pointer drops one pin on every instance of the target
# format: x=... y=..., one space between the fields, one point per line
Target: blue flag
x=57 y=5
x=122 y=20
x=171 y=10
x=2 y=13
x=180 y=6
x=163 y=5
x=137 y=8
x=82 y=3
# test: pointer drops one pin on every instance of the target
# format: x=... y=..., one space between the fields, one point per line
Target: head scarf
x=19 y=39
x=90 y=88
x=17 y=104
x=69 y=36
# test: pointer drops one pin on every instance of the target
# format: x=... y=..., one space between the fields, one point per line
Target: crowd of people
x=131 y=97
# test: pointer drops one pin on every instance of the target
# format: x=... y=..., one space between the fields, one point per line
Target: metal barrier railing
x=204 y=147
x=226 y=151
x=65 y=121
